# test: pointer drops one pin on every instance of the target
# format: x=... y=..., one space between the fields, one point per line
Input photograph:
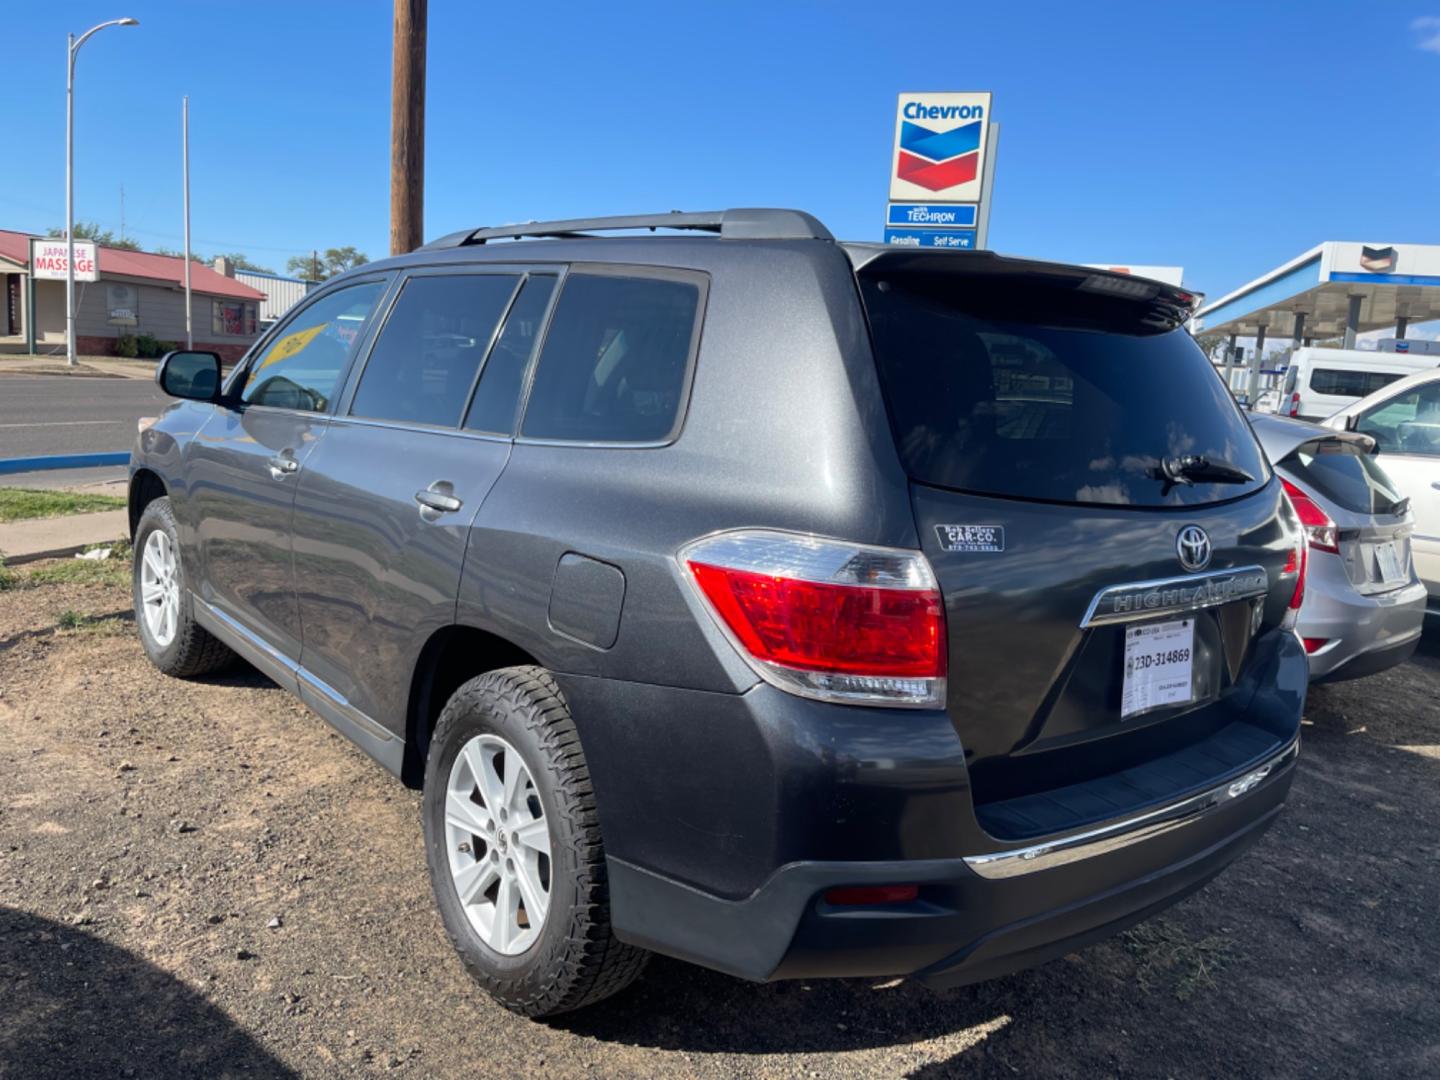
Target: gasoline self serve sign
x=940 y=146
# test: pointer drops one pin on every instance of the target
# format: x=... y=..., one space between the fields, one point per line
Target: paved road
x=48 y=414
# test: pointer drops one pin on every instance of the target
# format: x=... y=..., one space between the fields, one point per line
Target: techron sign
x=940 y=146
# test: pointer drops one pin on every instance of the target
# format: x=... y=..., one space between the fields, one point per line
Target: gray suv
x=792 y=607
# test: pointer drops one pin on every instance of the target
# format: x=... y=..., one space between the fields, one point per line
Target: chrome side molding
x=1119 y=834
x=1169 y=596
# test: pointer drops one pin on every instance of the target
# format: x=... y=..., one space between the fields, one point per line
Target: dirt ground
x=203 y=880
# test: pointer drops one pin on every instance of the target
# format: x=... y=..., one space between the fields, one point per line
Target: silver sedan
x=1364 y=605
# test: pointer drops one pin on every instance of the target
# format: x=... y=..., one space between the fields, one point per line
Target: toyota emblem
x=1193 y=547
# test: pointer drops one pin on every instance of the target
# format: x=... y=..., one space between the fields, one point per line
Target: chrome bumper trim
x=1135 y=830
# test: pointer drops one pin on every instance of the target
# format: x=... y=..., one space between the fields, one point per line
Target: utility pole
x=314 y=266
x=185 y=156
x=407 y=128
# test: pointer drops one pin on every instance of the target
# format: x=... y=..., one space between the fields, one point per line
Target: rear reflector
x=1315 y=644
x=827 y=619
x=873 y=894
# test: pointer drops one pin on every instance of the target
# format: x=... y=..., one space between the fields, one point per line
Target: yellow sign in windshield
x=287 y=347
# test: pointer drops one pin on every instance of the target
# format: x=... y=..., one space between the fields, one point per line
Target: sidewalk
x=92 y=367
x=24 y=541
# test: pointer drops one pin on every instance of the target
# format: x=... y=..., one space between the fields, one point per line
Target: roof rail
x=743 y=224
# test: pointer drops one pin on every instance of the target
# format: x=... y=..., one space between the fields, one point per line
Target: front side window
x=615 y=361
x=301 y=368
x=426 y=356
x=1408 y=423
x=1340 y=382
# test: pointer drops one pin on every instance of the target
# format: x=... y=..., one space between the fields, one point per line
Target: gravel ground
x=203 y=880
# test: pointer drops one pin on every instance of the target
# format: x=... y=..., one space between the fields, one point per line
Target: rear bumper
x=975 y=918
x=1365 y=634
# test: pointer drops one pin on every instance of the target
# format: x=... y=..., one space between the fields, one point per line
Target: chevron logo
x=936 y=160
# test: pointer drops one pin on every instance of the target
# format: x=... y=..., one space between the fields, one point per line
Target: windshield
x=1024 y=386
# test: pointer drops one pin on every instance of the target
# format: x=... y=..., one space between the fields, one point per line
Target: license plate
x=1389 y=560
x=1159 y=661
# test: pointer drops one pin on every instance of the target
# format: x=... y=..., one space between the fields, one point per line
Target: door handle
x=282 y=465
x=437 y=499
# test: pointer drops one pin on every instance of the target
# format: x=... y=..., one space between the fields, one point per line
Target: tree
x=89 y=230
x=1210 y=344
x=326 y=264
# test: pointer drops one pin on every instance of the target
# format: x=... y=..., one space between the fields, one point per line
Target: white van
x=1321 y=382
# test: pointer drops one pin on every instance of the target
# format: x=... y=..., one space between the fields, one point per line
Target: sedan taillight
x=825 y=618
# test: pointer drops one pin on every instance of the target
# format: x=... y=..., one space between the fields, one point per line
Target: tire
x=573 y=959
x=184 y=649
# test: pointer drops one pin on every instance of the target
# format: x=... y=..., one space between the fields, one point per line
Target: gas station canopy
x=1336 y=288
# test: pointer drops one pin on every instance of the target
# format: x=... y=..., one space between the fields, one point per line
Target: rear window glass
x=1005 y=386
x=1340 y=382
x=1342 y=472
x=614 y=364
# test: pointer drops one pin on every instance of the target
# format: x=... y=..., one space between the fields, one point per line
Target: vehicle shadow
x=74 y=1005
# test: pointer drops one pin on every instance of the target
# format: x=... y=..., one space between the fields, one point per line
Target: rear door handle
x=437 y=499
x=282 y=465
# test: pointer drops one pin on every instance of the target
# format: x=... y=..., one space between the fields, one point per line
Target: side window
x=614 y=364
x=301 y=368
x=425 y=359
x=1338 y=382
x=1408 y=423
x=498 y=395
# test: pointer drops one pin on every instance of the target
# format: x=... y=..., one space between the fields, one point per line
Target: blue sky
x=1226 y=137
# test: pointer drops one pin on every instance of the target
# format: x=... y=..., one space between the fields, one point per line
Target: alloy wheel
x=498 y=844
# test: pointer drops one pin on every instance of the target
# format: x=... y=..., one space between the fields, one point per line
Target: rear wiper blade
x=1188 y=468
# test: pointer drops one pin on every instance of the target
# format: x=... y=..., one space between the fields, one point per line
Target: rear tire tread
x=594 y=964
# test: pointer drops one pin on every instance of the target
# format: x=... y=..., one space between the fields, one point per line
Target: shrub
x=126 y=345
x=148 y=346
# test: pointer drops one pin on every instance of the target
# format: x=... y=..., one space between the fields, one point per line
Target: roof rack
x=742 y=224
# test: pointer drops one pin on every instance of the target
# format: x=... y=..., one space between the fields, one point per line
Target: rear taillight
x=1296 y=562
x=827 y=619
x=1320 y=530
x=1294 y=409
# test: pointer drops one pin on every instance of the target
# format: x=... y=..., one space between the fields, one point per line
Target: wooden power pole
x=407 y=128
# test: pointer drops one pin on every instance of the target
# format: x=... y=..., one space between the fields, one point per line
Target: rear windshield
x=1345 y=382
x=1031 y=389
x=1339 y=470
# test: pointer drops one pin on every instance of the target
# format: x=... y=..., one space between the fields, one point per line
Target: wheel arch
x=452 y=656
x=145 y=487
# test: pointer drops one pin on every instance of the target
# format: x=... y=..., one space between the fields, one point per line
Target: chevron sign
x=940 y=147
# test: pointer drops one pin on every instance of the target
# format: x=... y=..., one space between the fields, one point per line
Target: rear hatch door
x=1107 y=533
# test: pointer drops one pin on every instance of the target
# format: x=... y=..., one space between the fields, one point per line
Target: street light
x=74 y=47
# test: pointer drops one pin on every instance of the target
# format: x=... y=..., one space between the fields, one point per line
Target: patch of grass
x=7 y=576
x=1164 y=953
x=75 y=622
x=111 y=571
x=19 y=504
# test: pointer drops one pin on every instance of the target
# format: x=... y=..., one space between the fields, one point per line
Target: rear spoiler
x=1167 y=305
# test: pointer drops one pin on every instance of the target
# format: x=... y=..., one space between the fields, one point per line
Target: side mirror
x=193 y=375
